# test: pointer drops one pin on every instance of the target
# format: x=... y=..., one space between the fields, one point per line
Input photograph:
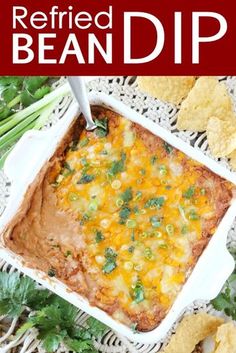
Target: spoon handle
x=78 y=87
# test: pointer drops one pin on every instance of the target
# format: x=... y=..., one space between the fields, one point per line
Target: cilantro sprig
x=102 y=127
x=226 y=300
x=110 y=263
x=189 y=193
x=117 y=166
x=155 y=202
x=127 y=195
x=53 y=317
x=138 y=292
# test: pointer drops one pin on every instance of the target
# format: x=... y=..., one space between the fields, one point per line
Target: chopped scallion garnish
x=131 y=223
x=193 y=216
x=73 y=196
x=170 y=229
x=155 y=221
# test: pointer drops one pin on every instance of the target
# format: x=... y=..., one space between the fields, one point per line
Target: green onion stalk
x=32 y=117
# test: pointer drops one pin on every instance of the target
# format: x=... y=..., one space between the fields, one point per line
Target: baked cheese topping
x=140 y=212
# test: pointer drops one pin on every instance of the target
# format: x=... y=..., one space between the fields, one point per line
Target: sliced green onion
x=148 y=254
x=116 y=184
x=182 y=213
x=119 y=202
x=132 y=235
x=59 y=178
x=163 y=246
x=22 y=114
x=163 y=170
x=84 y=142
x=12 y=135
x=158 y=234
x=184 y=229
x=45 y=114
x=138 y=196
x=153 y=160
x=131 y=223
x=193 y=216
x=142 y=171
x=93 y=206
x=170 y=229
x=155 y=221
x=203 y=191
x=131 y=249
x=73 y=196
x=143 y=235
x=128 y=265
x=84 y=162
x=138 y=268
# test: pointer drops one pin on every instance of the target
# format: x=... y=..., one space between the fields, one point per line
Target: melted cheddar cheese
x=140 y=212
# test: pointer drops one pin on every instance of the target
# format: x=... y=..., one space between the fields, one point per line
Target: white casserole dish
x=36 y=147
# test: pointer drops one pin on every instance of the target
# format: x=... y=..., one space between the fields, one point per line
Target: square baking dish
x=36 y=148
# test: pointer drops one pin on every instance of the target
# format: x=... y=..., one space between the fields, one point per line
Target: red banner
x=124 y=37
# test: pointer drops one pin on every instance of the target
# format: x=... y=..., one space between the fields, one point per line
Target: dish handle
x=214 y=273
x=25 y=156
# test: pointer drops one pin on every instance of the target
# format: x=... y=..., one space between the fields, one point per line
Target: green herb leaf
x=138 y=292
x=99 y=236
x=189 y=193
x=67 y=170
x=102 y=127
x=226 y=300
x=96 y=328
x=74 y=145
x=124 y=214
x=153 y=160
x=131 y=249
x=222 y=302
x=110 y=264
x=155 y=221
x=85 y=218
x=84 y=142
x=193 y=216
x=156 y=202
x=41 y=92
x=9 y=93
x=117 y=166
x=132 y=235
x=32 y=83
x=51 y=342
x=134 y=327
x=127 y=195
x=15 y=293
x=27 y=98
x=184 y=229
x=169 y=149
x=85 y=179
x=51 y=272
x=5 y=111
x=8 y=80
x=80 y=346
x=53 y=317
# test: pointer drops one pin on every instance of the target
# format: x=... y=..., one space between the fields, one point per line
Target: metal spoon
x=78 y=88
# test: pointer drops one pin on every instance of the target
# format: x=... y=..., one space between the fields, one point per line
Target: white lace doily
x=126 y=90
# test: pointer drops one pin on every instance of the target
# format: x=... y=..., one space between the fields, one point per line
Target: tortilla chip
x=221 y=136
x=171 y=89
x=191 y=330
x=207 y=98
x=232 y=161
x=226 y=338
